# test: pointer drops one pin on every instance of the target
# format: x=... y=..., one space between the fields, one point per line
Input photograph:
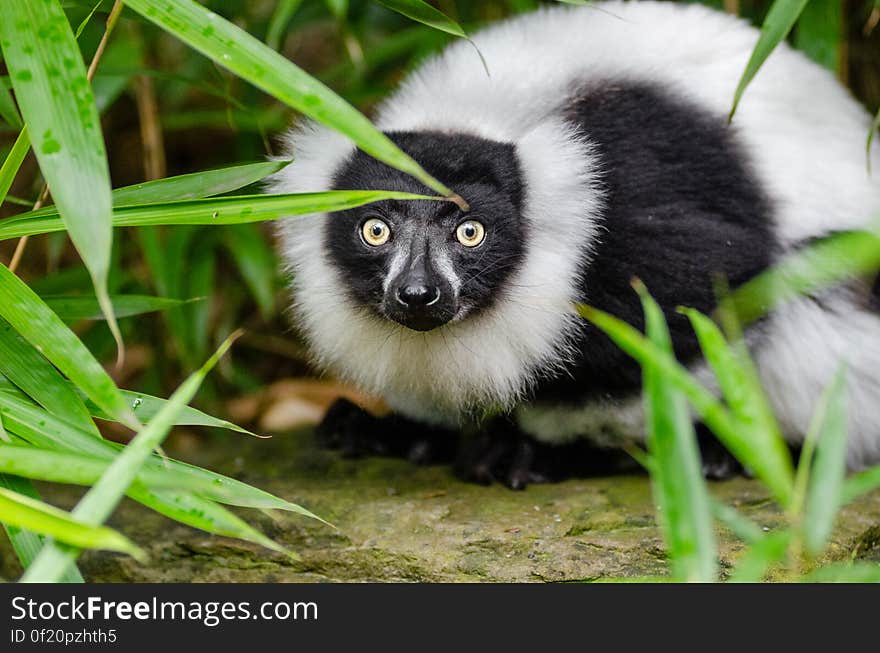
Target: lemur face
x=424 y=264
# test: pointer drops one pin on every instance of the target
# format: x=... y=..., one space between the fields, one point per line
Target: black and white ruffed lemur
x=597 y=150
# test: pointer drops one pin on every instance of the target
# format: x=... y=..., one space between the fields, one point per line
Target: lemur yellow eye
x=375 y=232
x=470 y=233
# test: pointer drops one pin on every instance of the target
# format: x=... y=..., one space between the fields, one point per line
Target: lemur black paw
x=494 y=458
x=357 y=433
x=503 y=454
x=341 y=426
x=718 y=463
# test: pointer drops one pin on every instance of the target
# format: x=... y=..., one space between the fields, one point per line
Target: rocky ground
x=397 y=522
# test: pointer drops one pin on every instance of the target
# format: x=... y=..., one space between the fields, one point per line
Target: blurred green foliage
x=167 y=110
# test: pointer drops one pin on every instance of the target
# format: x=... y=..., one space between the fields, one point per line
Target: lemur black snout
x=420 y=304
x=420 y=297
x=417 y=295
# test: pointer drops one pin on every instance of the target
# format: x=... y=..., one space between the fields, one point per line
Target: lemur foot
x=503 y=454
x=498 y=455
x=357 y=433
x=718 y=463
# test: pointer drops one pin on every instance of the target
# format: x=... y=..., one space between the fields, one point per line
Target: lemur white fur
x=802 y=131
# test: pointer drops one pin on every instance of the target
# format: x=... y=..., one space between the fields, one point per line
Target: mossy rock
x=399 y=522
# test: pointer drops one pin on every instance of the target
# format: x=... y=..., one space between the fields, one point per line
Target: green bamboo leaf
x=166 y=255
x=424 y=13
x=104 y=93
x=85 y=21
x=154 y=253
x=8 y=110
x=56 y=466
x=828 y=471
x=38 y=378
x=284 y=11
x=713 y=413
x=32 y=424
x=188 y=508
x=72 y=309
x=859 y=484
x=13 y=161
x=196 y=185
x=72 y=279
x=844 y=255
x=875 y=125
x=100 y=501
x=780 y=19
x=24 y=512
x=845 y=572
x=146 y=407
x=224 y=489
x=257 y=264
x=820 y=32
x=676 y=474
x=199 y=282
x=55 y=97
x=20 y=201
x=37 y=324
x=198 y=512
x=260 y=65
x=754 y=564
x=741 y=526
x=761 y=444
x=81 y=469
x=104 y=6
x=27 y=544
x=339 y=8
x=238 y=209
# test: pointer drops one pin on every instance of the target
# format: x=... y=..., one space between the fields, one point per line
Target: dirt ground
x=398 y=522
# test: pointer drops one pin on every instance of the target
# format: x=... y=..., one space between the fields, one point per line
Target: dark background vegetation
x=167 y=111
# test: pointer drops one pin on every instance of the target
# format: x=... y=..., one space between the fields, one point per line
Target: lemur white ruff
x=597 y=150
